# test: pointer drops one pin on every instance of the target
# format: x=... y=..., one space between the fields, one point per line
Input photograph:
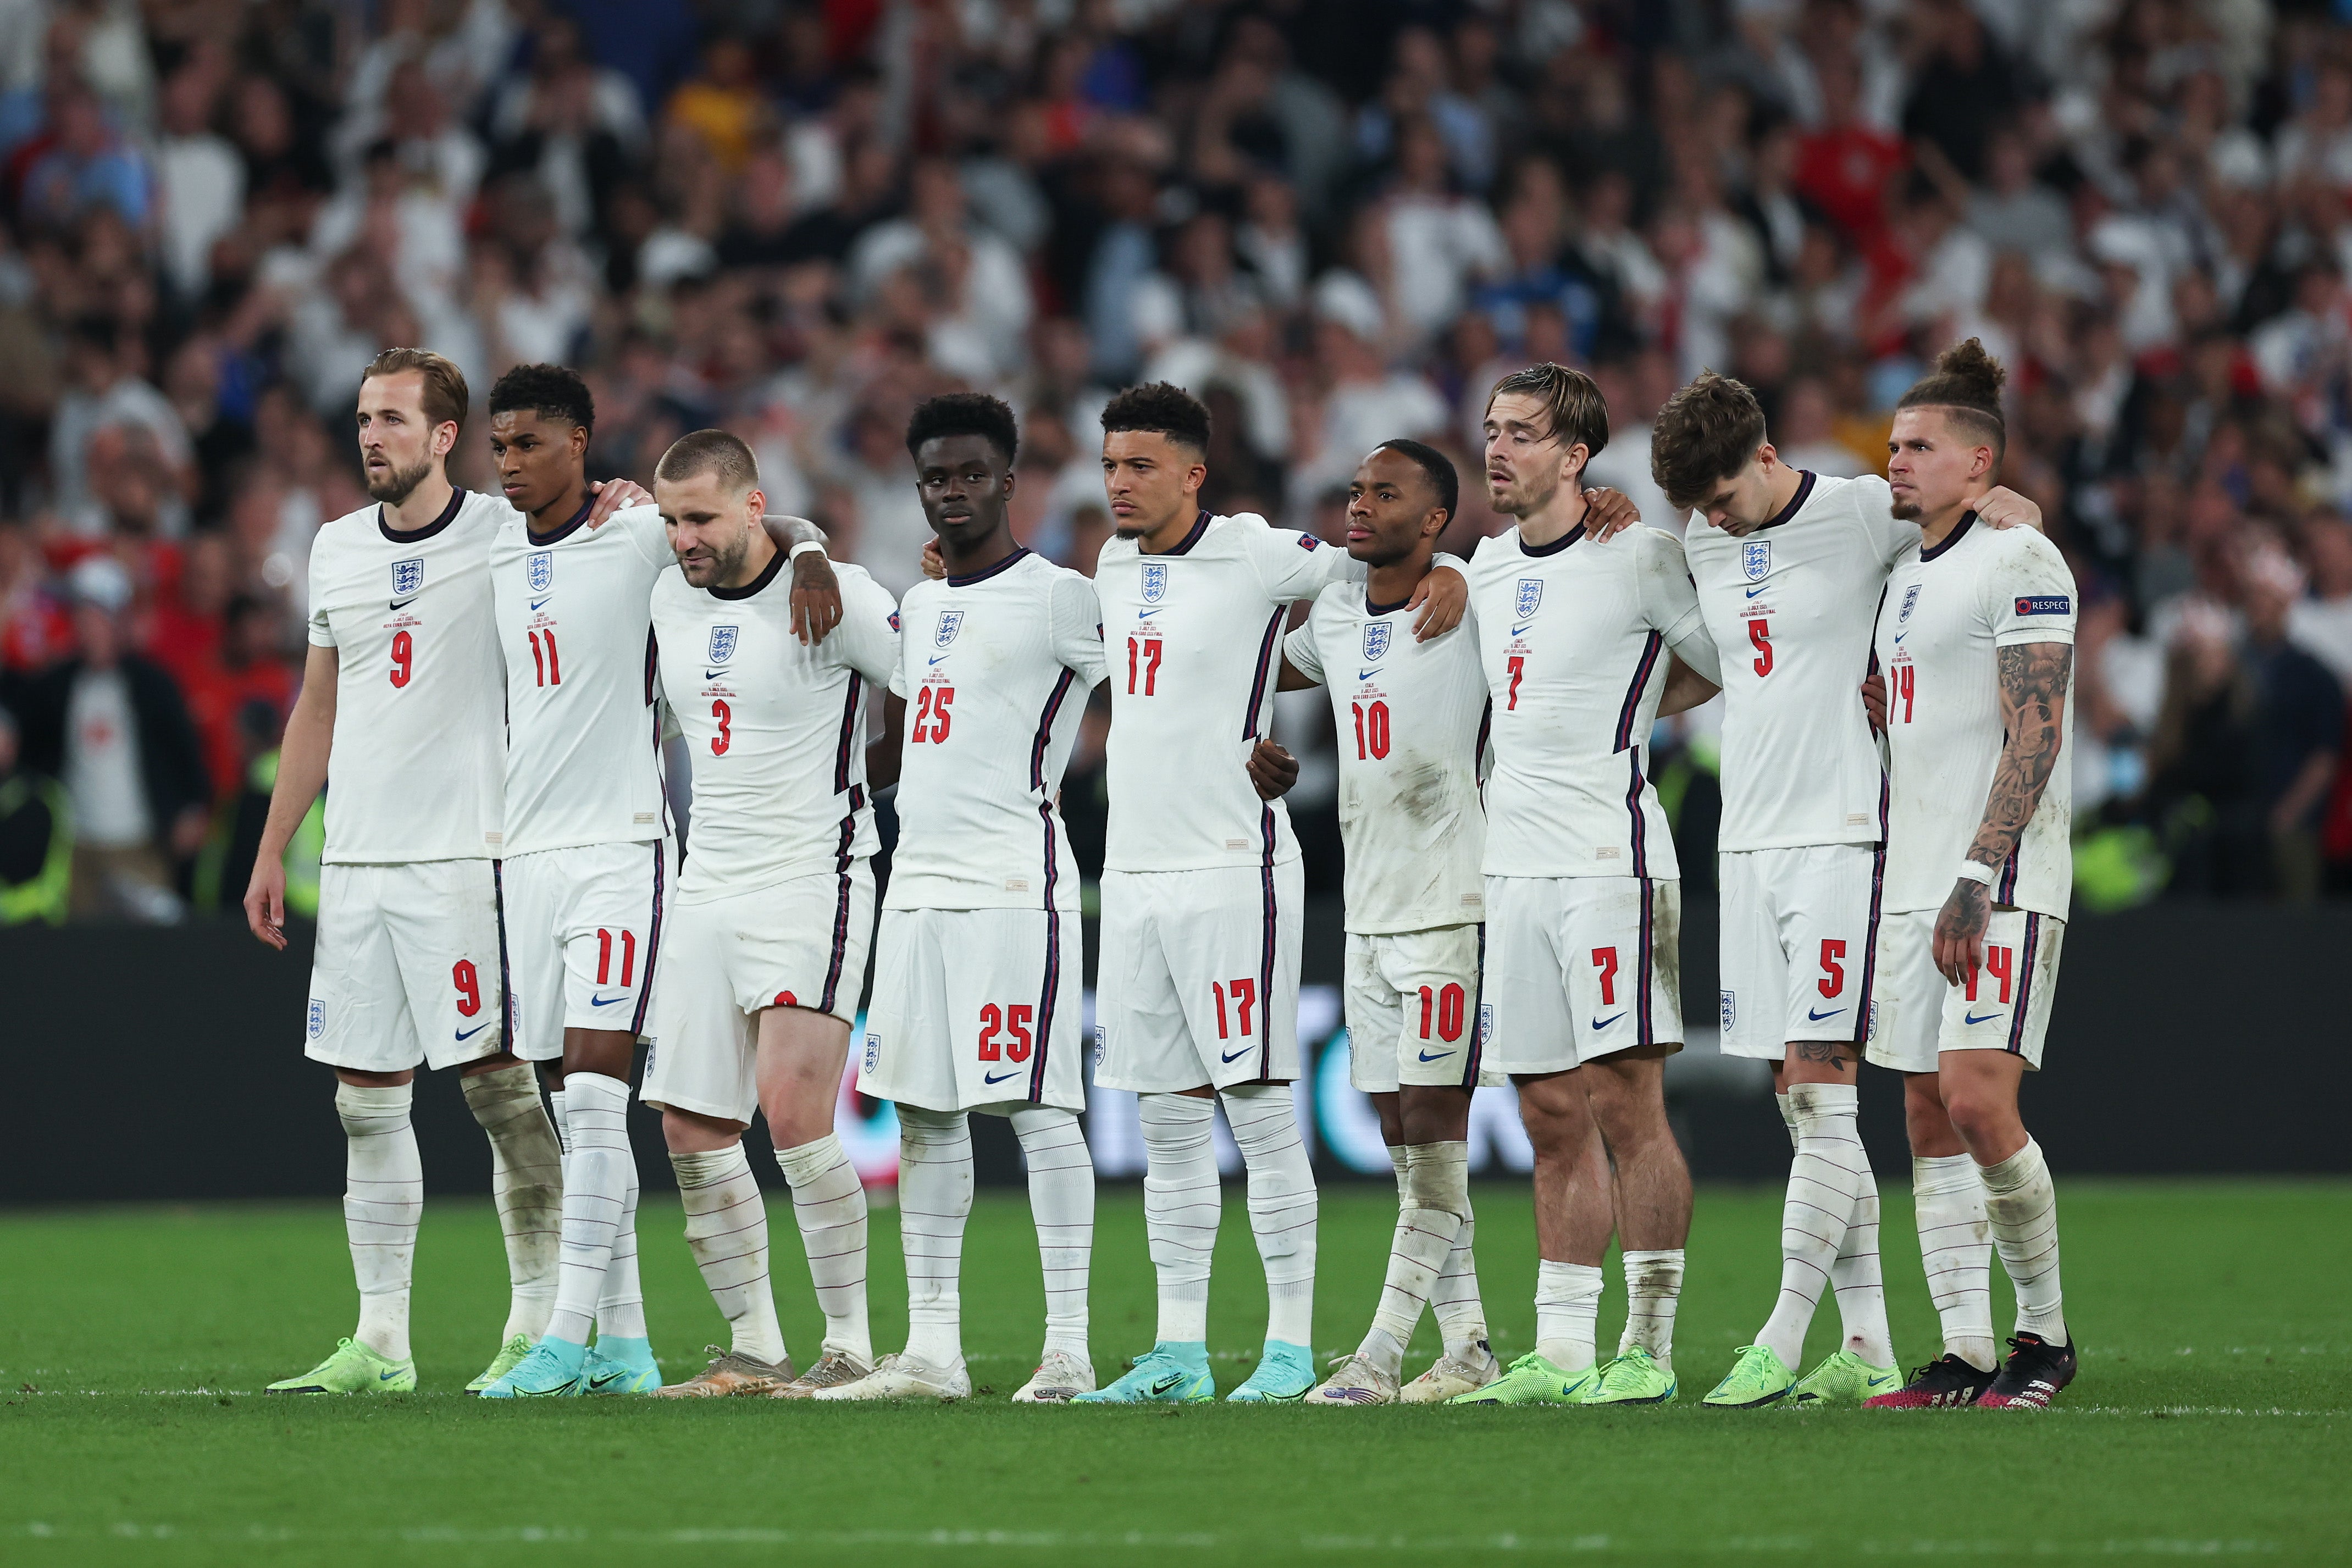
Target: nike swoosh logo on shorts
x=1972 y=1018
x=1439 y=1056
x=607 y=1001
x=1814 y=1016
x=1604 y=1023
x=465 y=1034
x=1237 y=1055
x=999 y=1077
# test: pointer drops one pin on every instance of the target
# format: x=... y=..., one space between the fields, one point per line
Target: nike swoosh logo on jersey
x=712 y=674
x=465 y=1034
x=1812 y=1016
x=1900 y=635
x=537 y=602
x=937 y=658
x=1757 y=588
x=1516 y=630
x=1237 y=1055
x=999 y=1077
x=1368 y=674
x=1972 y=1018
x=404 y=603
x=1604 y=1023
x=607 y=1002
x=1436 y=1056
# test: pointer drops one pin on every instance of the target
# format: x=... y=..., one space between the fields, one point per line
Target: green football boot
x=1285 y=1374
x=551 y=1371
x=617 y=1365
x=352 y=1369
x=1532 y=1380
x=1634 y=1378
x=1845 y=1378
x=1168 y=1373
x=1759 y=1377
x=510 y=1356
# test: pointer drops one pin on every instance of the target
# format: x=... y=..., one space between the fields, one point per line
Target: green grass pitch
x=2213 y=1414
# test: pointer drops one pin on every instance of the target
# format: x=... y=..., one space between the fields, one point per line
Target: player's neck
x=567 y=506
x=1394 y=582
x=1556 y=517
x=1936 y=528
x=1170 y=534
x=755 y=560
x=1786 y=482
x=968 y=558
x=423 y=506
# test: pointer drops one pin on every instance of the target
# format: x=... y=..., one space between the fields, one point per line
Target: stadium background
x=1337 y=221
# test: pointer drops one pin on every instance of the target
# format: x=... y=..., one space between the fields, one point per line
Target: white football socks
x=527 y=1182
x=1568 y=1305
x=621 y=1305
x=1461 y=1315
x=1955 y=1248
x=1653 y=1288
x=1824 y=1185
x=2022 y=1207
x=1856 y=1276
x=1436 y=1195
x=1181 y=1203
x=556 y=1114
x=934 y=1203
x=597 y=1175
x=726 y=1231
x=1281 y=1204
x=829 y=1201
x=1061 y=1203
x=384 y=1196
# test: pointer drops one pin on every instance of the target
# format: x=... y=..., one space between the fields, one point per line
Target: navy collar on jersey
x=418 y=536
x=1183 y=546
x=766 y=575
x=1796 y=503
x=1378 y=609
x=1556 y=546
x=1967 y=520
x=985 y=573
x=563 y=531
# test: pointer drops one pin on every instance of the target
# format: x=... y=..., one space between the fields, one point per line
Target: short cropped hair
x=552 y=390
x=1435 y=466
x=1578 y=411
x=1163 y=409
x=718 y=451
x=1706 y=433
x=965 y=413
x=446 y=398
x=1966 y=384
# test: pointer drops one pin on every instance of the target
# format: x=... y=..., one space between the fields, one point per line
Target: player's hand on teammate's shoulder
x=1272 y=769
x=1608 y=513
x=2002 y=507
x=935 y=566
x=612 y=496
x=1441 y=597
x=1873 y=699
x=816 y=597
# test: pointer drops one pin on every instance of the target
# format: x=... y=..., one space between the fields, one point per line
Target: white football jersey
x=1412 y=722
x=1791 y=607
x=776 y=729
x=1574 y=637
x=1947 y=613
x=418 y=767
x=575 y=621
x=995 y=668
x=1191 y=638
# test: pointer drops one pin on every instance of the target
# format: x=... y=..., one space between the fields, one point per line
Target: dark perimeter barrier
x=2187 y=1039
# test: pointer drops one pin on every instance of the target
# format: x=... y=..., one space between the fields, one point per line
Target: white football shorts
x=1412 y=1009
x=1800 y=946
x=1579 y=968
x=975 y=1007
x=408 y=967
x=798 y=944
x=583 y=926
x=1198 y=981
x=2008 y=1008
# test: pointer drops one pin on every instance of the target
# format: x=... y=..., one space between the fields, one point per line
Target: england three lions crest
x=1376 y=641
x=541 y=571
x=1756 y=559
x=951 y=623
x=1910 y=603
x=722 y=642
x=1155 y=581
x=1530 y=595
x=407 y=576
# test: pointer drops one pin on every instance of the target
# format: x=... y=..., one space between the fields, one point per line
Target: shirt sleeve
x=644 y=526
x=866 y=640
x=322 y=631
x=1670 y=603
x=1078 y=629
x=1300 y=650
x=2027 y=592
x=1292 y=566
x=1889 y=535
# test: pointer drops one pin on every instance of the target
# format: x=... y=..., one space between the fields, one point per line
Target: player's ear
x=755 y=502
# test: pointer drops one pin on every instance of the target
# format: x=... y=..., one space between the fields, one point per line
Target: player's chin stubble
x=398 y=485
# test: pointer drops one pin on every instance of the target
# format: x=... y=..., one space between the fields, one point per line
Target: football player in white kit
x=588 y=851
x=1789 y=565
x=1197 y=988
x=764 y=958
x=1976 y=649
x=1583 y=895
x=976 y=980
x=402 y=707
x=1412 y=724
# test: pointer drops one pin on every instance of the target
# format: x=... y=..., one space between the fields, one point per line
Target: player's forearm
x=790 y=531
x=1686 y=689
x=2034 y=677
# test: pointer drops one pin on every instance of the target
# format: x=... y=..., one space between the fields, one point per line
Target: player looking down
x=1197 y=994
x=1976 y=648
x=765 y=955
x=1578 y=637
x=976 y=978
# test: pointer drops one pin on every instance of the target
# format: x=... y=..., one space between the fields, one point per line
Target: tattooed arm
x=2034 y=677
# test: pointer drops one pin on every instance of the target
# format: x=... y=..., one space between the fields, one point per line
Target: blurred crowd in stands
x=1337 y=221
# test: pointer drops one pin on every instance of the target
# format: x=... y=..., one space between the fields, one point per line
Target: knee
x=1556 y=1133
x=1978 y=1117
x=1925 y=1118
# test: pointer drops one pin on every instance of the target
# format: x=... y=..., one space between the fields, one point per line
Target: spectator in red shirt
x=1845 y=164
x=245 y=669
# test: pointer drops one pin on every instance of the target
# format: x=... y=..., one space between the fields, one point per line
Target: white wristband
x=1976 y=871
x=806 y=545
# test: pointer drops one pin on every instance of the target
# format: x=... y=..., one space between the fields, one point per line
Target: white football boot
x=1059 y=1375
x=903 y=1376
